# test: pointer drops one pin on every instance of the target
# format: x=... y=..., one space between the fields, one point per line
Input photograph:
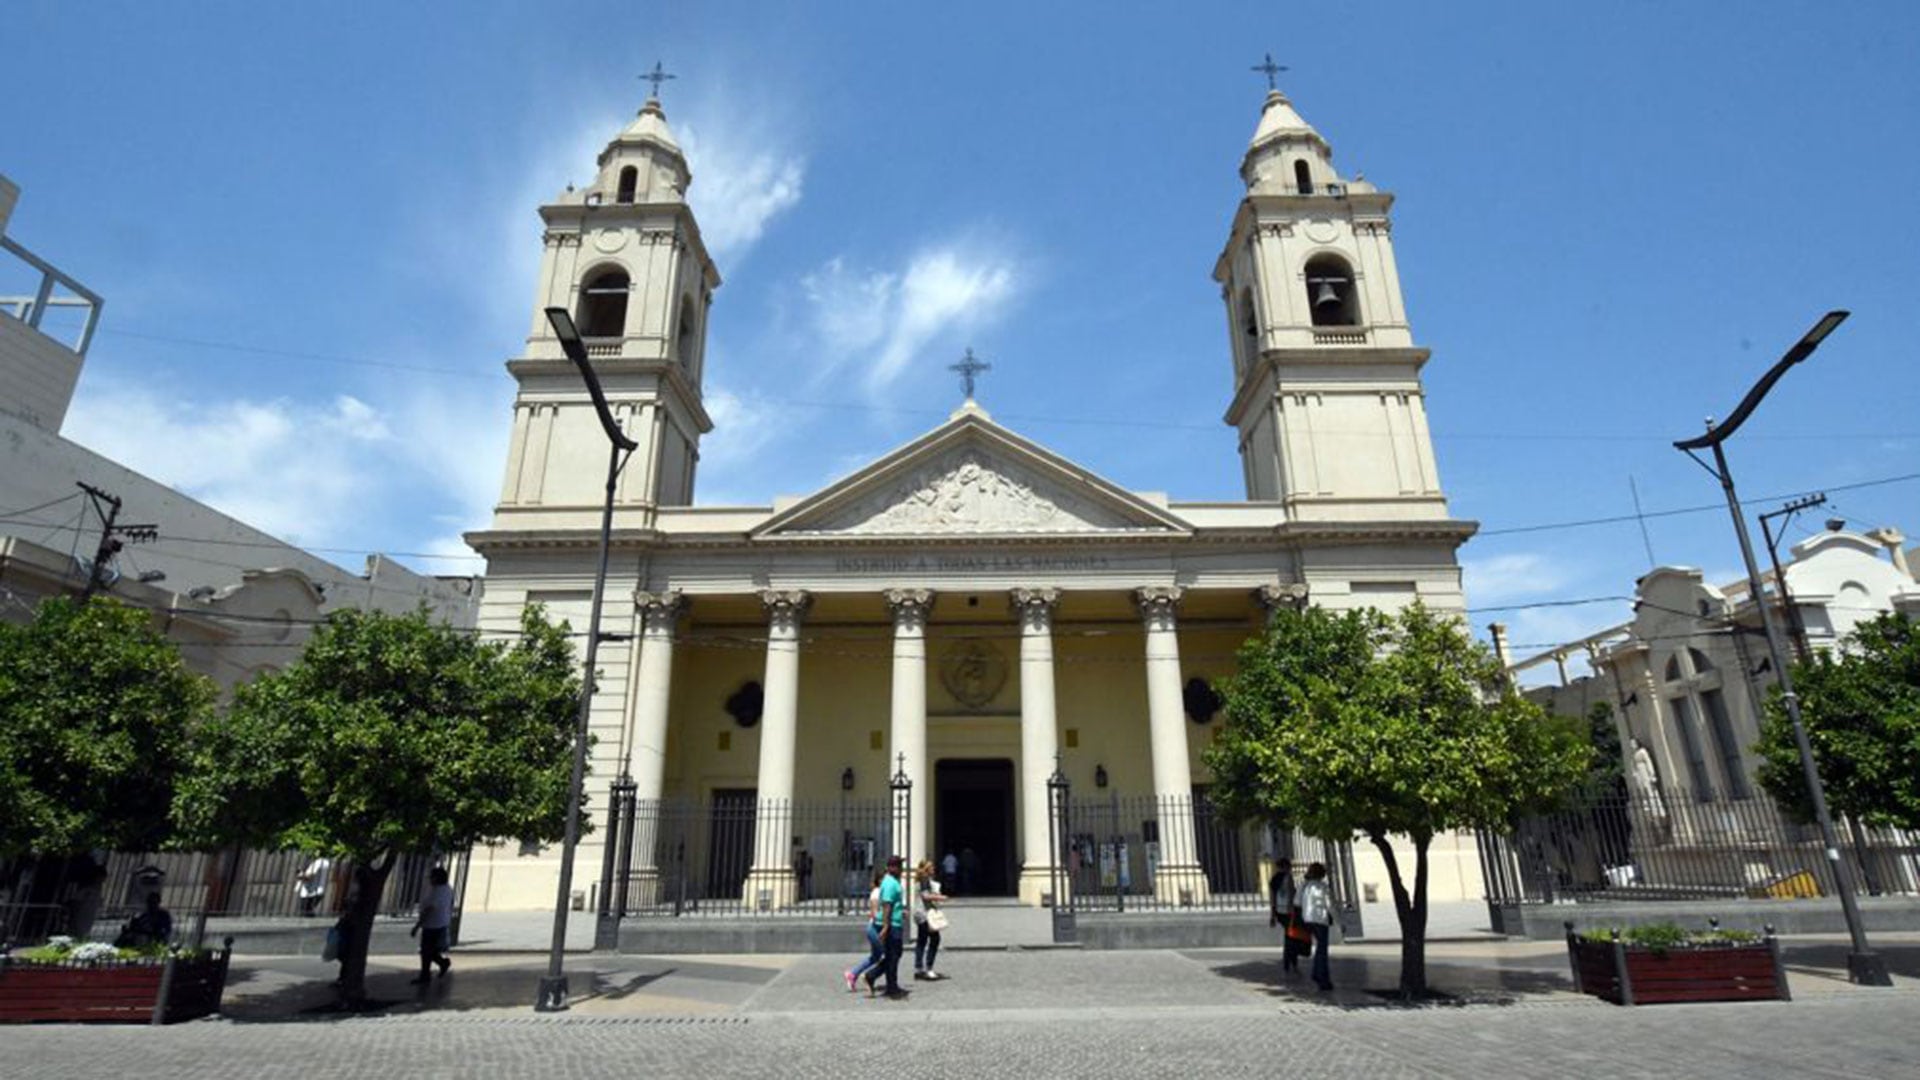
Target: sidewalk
x=986 y=985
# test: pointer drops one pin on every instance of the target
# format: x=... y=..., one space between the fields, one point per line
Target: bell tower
x=1327 y=395
x=624 y=255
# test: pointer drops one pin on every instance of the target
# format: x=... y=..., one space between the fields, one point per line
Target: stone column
x=1178 y=871
x=647 y=744
x=909 y=725
x=1276 y=598
x=1038 y=738
x=770 y=883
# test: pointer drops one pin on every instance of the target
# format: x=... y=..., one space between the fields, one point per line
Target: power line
x=1032 y=418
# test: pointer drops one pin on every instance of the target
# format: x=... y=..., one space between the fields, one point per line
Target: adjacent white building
x=238 y=599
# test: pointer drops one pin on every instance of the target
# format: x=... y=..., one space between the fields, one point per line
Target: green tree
x=1379 y=725
x=390 y=735
x=95 y=708
x=1861 y=708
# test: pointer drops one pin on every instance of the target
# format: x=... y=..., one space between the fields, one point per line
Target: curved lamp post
x=1864 y=966
x=553 y=985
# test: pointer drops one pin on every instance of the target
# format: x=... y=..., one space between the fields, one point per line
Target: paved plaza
x=1006 y=1013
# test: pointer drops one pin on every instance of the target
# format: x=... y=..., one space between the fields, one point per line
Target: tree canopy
x=95 y=708
x=1861 y=708
x=1360 y=722
x=391 y=734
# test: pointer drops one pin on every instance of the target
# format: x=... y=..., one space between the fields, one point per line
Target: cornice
x=1273 y=362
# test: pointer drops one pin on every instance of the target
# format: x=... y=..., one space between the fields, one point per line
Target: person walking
x=310 y=885
x=436 y=919
x=892 y=909
x=876 y=950
x=1283 y=911
x=929 y=920
x=1316 y=910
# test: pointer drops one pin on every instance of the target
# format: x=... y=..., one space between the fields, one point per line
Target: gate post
x=620 y=806
x=902 y=839
x=1347 y=891
x=1059 y=835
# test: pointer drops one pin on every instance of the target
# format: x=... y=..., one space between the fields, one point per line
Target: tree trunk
x=356 y=927
x=1411 y=910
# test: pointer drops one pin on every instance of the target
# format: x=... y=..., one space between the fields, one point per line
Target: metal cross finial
x=656 y=77
x=1270 y=69
x=968 y=367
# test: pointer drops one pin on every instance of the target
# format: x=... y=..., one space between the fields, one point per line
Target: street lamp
x=552 y=996
x=1864 y=966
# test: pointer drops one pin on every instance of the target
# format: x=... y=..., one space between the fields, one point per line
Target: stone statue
x=1646 y=778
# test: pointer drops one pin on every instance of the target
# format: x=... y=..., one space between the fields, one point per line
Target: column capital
x=785 y=607
x=659 y=609
x=909 y=607
x=1034 y=607
x=1275 y=598
x=1157 y=603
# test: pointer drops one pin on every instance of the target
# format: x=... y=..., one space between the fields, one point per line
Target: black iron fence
x=737 y=856
x=1164 y=853
x=1677 y=846
x=82 y=896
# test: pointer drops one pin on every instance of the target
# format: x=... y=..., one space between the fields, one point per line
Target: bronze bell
x=1327 y=295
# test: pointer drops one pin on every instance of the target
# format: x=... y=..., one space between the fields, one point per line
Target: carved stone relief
x=971 y=491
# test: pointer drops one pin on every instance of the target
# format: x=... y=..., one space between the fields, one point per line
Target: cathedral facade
x=970 y=611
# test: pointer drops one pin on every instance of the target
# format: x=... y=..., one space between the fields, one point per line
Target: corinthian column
x=1179 y=864
x=770 y=883
x=647 y=742
x=659 y=612
x=909 y=725
x=1037 y=739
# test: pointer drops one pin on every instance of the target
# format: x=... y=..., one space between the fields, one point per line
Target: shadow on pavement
x=1362 y=982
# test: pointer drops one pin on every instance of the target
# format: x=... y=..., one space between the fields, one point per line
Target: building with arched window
x=970 y=611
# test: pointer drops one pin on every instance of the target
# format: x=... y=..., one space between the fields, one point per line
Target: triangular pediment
x=970 y=477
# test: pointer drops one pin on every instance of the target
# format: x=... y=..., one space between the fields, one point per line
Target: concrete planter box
x=115 y=993
x=1635 y=975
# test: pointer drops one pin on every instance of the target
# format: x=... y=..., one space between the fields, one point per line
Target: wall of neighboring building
x=1688 y=673
x=37 y=374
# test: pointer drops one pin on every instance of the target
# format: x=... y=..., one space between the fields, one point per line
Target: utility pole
x=110 y=534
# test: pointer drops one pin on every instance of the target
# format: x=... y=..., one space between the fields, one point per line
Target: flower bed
x=1661 y=963
x=94 y=982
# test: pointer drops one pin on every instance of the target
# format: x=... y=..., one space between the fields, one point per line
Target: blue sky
x=315 y=231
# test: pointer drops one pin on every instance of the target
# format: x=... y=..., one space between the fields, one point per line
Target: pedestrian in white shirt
x=436 y=917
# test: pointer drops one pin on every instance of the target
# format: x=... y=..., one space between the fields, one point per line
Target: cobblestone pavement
x=1032 y=1014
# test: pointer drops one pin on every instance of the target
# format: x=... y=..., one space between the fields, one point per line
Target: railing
x=745 y=857
x=1341 y=335
x=1170 y=853
x=56 y=896
x=32 y=310
x=1677 y=846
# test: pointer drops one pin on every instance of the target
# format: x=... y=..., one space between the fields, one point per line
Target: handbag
x=1297 y=928
x=936 y=920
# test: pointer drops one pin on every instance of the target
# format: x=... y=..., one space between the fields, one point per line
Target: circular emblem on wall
x=610 y=240
x=1321 y=232
x=973 y=672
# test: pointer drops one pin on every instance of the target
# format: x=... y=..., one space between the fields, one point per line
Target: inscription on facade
x=972 y=563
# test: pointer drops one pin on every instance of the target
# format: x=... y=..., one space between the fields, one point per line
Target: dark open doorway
x=730 y=840
x=973 y=813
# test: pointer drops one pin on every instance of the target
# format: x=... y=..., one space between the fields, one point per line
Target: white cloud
x=883 y=320
x=739 y=185
x=1513 y=576
x=299 y=472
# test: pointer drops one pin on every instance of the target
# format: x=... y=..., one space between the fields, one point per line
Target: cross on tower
x=656 y=77
x=1270 y=69
x=968 y=367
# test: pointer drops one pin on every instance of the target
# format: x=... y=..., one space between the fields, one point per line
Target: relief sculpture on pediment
x=971 y=493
